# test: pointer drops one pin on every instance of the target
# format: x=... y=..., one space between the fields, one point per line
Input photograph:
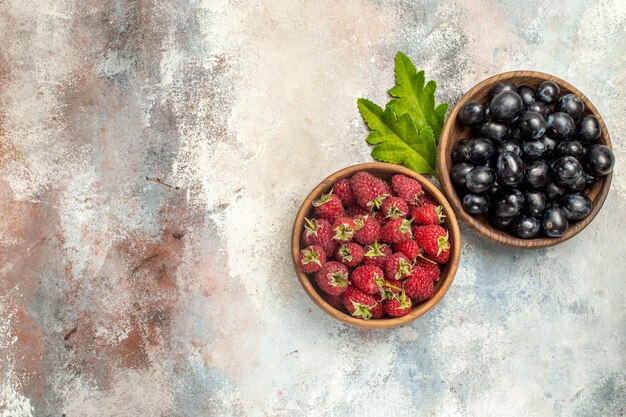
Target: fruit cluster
x=532 y=155
x=375 y=248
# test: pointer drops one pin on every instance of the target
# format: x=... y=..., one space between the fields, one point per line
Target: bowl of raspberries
x=375 y=245
x=525 y=159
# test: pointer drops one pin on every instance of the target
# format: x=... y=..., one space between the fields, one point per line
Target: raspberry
x=376 y=255
x=419 y=286
x=358 y=303
x=430 y=269
x=333 y=278
x=399 y=307
x=427 y=214
x=328 y=207
x=319 y=232
x=343 y=190
x=344 y=229
x=350 y=254
x=312 y=258
x=394 y=207
x=368 y=190
x=408 y=247
x=396 y=230
x=397 y=267
x=368 y=230
x=432 y=238
x=367 y=278
x=408 y=189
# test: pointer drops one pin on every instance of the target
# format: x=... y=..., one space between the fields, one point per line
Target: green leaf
x=415 y=97
x=397 y=139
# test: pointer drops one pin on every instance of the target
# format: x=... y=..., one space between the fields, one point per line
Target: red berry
x=432 y=238
x=396 y=230
x=399 y=307
x=312 y=258
x=356 y=211
x=367 y=278
x=333 y=278
x=394 y=207
x=368 y=190
x=319 y=232
x=379 y=217
x=368 y=230
x=334 y=300
x=350 y=254
x=386 y=188
x=358 y=303
x=390 y=289
x=430 y=269
x=408 y=247
x=344 y=229
x=328 y=207
x=427 y=214
x=343 y=190
x=398 y=266
x=376 y=255
x=378 y=310
x=419 y=285
x=442 y=258
x=407 y=188
x=426 y=199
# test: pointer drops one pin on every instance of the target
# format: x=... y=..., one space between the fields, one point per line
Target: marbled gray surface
x=122 y=296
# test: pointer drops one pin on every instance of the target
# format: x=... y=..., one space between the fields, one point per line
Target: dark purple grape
x=510 y=146
x=534 y=149
x=510 y=168
x=538 y=174
x=480 y=179
x=572 y=105
x=459 y=151
x=535 y=202
x=515 y=133
x=599 y=160
x=472 y=114
x=561 y=125
x=532 y=125
x=539 y=107
x=496 y=188
x=588 y=129
x=527 y=94
x=554 y=223
x=476 y=203
x=506 y=106
x=502 y=87
x=590 y=180
x=510 y=204
x=494 y=130
x=479 y=150
x=548 y=92
x=567 y=170
x=526 y=227
x=576 y=206
x=502 y=223
x=550 y=143
x=458 y=174
x=570 y=148
x=578 y=185
x=554 y=191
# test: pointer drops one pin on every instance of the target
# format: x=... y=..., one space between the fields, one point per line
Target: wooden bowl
x=384 y=171
x=454 y=132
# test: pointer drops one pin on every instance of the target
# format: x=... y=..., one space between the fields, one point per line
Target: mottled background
x=124 y=296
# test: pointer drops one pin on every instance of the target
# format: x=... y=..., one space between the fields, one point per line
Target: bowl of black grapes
x=525 y=159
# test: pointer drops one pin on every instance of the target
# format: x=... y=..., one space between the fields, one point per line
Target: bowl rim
x=478 y=225
x=446 y=280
